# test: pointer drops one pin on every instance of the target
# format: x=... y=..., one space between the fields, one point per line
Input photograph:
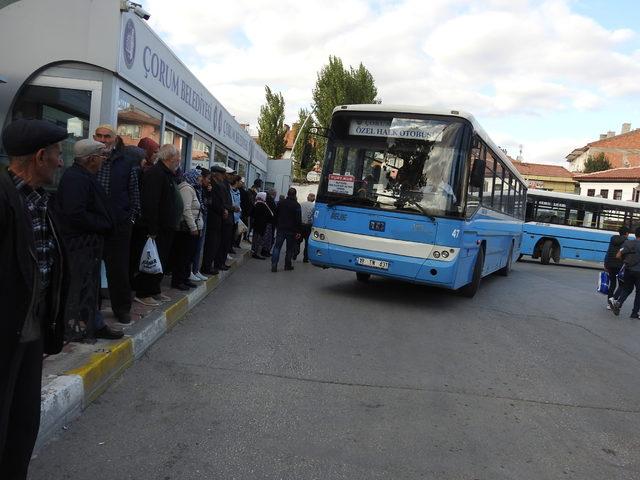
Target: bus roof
x=583 y=198
x=379 y=107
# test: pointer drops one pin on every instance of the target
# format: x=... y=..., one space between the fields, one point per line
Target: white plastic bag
x=150 y=260
x=242 y=228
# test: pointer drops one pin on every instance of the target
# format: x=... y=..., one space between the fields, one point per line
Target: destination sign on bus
x=409 y=128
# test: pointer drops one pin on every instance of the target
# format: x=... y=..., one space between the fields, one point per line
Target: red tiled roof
x=290 y=137
x=619 y=174
x=625 y=140
x=542 y=170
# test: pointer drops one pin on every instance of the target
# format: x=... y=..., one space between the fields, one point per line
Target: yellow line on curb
x=102 y=367
x=176 y=311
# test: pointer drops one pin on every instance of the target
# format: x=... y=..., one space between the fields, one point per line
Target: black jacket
x=161 y=209
x=228 y=202
x=289 y=216
x=246 y=202
x=216 y=206
x=610 y=260
x=19 y=276
x=83 y=204
x=261 y=216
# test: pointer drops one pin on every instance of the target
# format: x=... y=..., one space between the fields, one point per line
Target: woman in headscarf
x=261 y=217
x=200 y=180
x=186 y=239
x=151 y=148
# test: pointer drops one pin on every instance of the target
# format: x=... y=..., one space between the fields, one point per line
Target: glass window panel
x=68 y=108
x=137 y=120
x=220 y=155
x=200 y=152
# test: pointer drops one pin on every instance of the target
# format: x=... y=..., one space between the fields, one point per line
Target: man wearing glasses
x=119 y=179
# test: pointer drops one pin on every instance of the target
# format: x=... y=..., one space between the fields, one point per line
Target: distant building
x=621 y=150
x=289 y=138
x=616 y=184
x=546 y=177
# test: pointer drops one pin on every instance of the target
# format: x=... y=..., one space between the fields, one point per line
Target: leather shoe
x=190 y=284
x=274 y=268
x=259 y=257
x=224 y=268
x=182 y=287
x=290 y=267
x=124 y=319
x=109 y=333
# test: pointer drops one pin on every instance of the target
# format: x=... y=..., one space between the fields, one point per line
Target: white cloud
x=498 y=58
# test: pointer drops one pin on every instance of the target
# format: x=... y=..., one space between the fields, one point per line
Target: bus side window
x=473 y=192
x=498 y=186
x=489 y=171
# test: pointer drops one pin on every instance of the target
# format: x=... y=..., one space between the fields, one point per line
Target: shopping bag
x=242 y=228
x=150 y=260
x=603 y=283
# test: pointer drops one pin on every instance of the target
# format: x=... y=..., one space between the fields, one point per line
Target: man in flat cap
x=119 y=179
x=85 y=220
x=213 y=258
x=32 y=284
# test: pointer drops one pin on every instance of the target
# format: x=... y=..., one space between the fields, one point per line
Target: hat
x=229 y=170
x=218 y=167
x=106 y=126
x=87 y=147
x=23 y=136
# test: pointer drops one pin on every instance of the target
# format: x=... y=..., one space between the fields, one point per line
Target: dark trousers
x=225 y=245
x=306 y=231
x=280 y=239
x=117 y=249
x=20 y=384
x=184 y=247
x=147 y=284
x=631 y=281
x=613 y=282
x=212 y=242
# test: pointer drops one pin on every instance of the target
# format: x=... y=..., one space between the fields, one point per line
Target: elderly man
x=161 y=215
x=119 y=179
x=216 y=215
x=85 y=220
x=32 y=280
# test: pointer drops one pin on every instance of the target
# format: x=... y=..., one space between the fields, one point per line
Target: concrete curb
x=66 y=396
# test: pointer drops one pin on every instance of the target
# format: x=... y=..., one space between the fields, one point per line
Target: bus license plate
x=370 y=262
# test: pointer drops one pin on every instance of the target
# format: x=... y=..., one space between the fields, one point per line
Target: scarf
x=191 y=177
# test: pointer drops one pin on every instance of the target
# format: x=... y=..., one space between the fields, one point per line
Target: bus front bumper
x=412 y=269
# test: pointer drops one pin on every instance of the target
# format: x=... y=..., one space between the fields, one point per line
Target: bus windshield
x=393 y=163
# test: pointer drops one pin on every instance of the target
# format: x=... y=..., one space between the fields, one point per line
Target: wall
x=279 y=173
x=626 y=187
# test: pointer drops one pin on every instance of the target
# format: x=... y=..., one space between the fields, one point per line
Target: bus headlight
x=445 y=254
x=315 y=234
x=436 y=254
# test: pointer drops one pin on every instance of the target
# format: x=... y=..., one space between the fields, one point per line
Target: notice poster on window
x=341 y=184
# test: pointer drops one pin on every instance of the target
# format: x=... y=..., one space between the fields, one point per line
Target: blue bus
x=418 y=195
x=569 y=226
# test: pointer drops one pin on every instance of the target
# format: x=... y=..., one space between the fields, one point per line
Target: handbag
x=150 y=260
x=242 y=228
x=602 y=285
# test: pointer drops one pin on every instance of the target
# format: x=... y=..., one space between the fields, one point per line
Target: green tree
x=338 y=86
x=596 y=163
x=271 y=129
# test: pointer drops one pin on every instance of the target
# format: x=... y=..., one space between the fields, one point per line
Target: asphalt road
x=312 y=375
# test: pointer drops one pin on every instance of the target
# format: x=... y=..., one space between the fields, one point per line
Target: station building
x=83 y=63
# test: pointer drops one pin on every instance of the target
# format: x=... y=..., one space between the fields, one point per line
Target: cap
x=218 y=167
x=229 y=170
x=86 y=147
x=23 y=136
x=107 y=126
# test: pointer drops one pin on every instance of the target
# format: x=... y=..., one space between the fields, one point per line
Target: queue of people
x=109 y=206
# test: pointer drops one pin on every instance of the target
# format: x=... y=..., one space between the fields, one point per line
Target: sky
x=549 y=76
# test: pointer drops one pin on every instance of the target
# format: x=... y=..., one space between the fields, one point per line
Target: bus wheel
x=470 y=289
x=506 y=270
x=547 y=250
x=363 y=277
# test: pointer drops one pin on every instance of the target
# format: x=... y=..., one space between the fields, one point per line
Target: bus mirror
x=477 y=173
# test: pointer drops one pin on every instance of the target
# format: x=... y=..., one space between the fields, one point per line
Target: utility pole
x=295 y=141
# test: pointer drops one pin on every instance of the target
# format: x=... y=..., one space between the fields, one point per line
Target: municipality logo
x=129 y=43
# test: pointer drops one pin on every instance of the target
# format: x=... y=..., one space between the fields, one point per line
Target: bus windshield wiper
x=419 y=207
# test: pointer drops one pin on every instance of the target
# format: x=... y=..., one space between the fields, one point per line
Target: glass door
x=70 y=103
x=179 y=140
